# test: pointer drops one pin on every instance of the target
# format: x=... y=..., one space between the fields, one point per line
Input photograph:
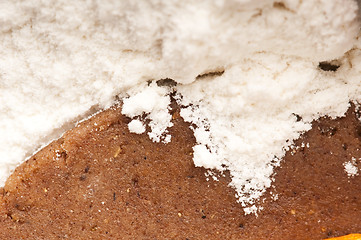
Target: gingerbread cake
x=99 y=181
x=156 y=119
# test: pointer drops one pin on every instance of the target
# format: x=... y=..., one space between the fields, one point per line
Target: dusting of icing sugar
x=136 y=126
x=351 y=167
x=247 y=122
x=153 y=102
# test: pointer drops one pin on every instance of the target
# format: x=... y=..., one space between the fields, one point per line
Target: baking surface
x=101 y=182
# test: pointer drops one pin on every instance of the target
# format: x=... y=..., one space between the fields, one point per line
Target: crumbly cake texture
x=99 y=181
x=243 y=70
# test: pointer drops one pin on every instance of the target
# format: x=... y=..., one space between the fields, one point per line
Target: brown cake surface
x=101 y=182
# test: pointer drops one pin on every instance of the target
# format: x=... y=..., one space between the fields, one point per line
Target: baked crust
x=99 y=181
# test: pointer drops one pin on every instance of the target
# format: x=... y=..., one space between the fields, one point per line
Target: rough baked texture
x=101 y=182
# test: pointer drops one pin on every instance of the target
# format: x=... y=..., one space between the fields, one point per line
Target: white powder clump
x=245 y=117
x=60 y=58
x=351 y=167
x=136 y=126
x=152 y=101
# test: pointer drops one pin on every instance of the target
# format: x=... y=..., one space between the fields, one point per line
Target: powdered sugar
x=351 y=167
x=243 y=123
x=152 y=101
x=136 y=126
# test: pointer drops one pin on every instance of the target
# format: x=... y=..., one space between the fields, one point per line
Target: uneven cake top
x=99 y=181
